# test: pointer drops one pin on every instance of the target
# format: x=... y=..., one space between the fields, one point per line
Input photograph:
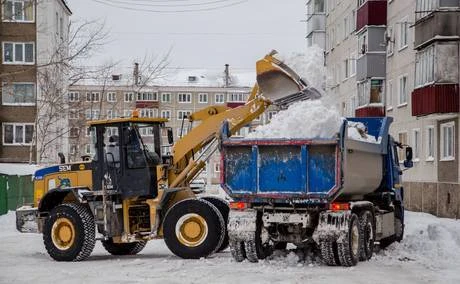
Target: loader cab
x=126 y=154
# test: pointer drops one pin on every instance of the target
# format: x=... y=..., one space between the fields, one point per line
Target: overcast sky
x=237 y=35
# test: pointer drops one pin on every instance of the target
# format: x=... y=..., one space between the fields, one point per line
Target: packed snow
x=18 y=169
x=429 y=253
x=357 y=131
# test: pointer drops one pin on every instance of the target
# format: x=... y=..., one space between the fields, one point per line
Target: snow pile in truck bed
x=306 y=119
x=357 y=131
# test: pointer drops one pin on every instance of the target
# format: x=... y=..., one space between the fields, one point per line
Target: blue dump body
x=291 y=170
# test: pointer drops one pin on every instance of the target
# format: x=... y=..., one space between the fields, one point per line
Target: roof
x=128 y=119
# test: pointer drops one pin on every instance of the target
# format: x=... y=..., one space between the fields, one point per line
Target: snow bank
x=306 y=119
x=18 y=169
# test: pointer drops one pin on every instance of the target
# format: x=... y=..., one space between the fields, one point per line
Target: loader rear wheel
x=123 y=248
x=193 y=228
x=224 y=209
x=259 y=247
x=238 y=250
x=69 y=232
x=348 y=246
x=329 y=254
x=366 y=235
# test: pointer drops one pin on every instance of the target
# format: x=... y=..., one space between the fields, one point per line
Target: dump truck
x=340 y=195
x=129 y=192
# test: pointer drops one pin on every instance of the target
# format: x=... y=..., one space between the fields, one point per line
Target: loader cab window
x=141 y=145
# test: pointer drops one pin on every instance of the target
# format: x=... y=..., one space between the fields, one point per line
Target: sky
x=238 y=35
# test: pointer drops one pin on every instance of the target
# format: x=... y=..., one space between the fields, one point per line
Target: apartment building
x=341 y=54
x=174 y=98
x=316 y=23
x=24 y=34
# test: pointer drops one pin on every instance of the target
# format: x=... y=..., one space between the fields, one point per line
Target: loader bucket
x=276 y=80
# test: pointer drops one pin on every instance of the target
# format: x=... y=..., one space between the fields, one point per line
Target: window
x=88 y=149
x=319 y=6
x=17 y=133
x=416 y=144
x=73 y=149
x=217 y=167
x=129 y=97
x=181 y=132
x=127 y=113
x=18 y=10
x=148 y=112
x=352 y=64
x=184 y=97
x=424 y=66
x=402 y=136
x=346 y=69
x=112 y=114
x=403 y=33
x=18 y=94
x=18 y=53
x=88 y=131
x=166 y=114
x=389 y=93
x=370 y=92
x=147 y=96
x=389 y=40
x=74 y=132
x=73 y=114
x=166 y=150
x=183 y=114
x=203 y=98
x=447 y=141
x=424 y=8
x=362 y=43
x=73 y=96
x=361 y=2
x=165 y=97
x=92 y=96
x=219 y=98
x=403 y=90
x=111 y=97
x=92 y=114
x=430 y=143
x=237 y=97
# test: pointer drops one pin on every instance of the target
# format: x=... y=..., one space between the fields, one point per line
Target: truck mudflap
x=332 y=225
x=242 y=224
x=26 y=219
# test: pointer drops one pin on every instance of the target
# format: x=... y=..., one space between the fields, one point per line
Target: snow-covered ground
x=430 y=253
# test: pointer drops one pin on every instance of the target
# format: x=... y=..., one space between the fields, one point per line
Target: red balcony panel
x=370 y=111
x=372 y=13
x=435 y=99
x=234 y=105
x=146 y=104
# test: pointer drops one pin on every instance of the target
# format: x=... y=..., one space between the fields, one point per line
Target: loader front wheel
x=224 y=209
x=123 y=248
x=69 y=232
x=193 y=228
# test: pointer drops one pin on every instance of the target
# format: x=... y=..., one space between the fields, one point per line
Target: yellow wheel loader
x=129 y=193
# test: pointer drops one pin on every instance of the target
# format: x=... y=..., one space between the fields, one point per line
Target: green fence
x=15 y=191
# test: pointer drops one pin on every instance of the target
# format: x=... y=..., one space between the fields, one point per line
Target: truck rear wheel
x=123 y=248
x=348 y=246
x=329 y=254
x=224 y=209
x=366 y=235
x=69 y=232
x=259 y=247
x=193 y=228
x=238 y=250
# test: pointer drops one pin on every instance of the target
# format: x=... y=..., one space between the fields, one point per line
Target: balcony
x=316 y=22
x=371 y=13
x=147 y=104
x=432 y=99
x=370 y=111
x=370 y=65
x=437 y=25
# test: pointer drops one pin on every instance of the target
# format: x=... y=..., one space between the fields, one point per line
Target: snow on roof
x=18 y=169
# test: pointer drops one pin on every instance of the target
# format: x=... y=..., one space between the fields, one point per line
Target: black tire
x=224 y=209
x=348 y=247
x=78 y=221
x=280 y=246
x=366 y=235
x=238 y=250
x=123 y=248
x=196 y=212
x=329 y=254
x=255 y=249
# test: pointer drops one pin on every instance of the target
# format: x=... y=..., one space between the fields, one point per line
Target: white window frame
x=203 y=98
x=443 y=128
x=237 y=97
x=14 y=133
x=352 y=63
x=111 y=97
x=389 y=95
x=127 y=113
x=93 y=97
x=425 y=66
x=88 y=149
x=14 y=62
x=11 y=85
x=183 y=130
x=166 y=114
x=74 y=96
x=400 y=102
x=148 y=112
x=430 y=140
x=164 y=95
x=76 y=131
x=220 y=101
x=391 y=40
x=184 y=98
x=147 y=96
x=181 y=113
x=13 y=12
x=74 y=114
x=128 y=97
x=416 y=144
x=403 y=37
x=401 y=153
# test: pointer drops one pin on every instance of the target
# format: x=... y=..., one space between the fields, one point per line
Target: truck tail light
x=238 y=205
x=339 y=206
